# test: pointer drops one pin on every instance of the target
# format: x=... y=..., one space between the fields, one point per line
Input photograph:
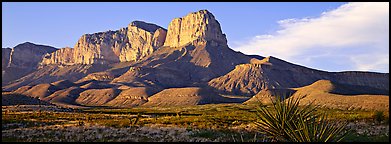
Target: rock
x=102 y=47
x=5 y=57
x=21 y=60
x=196 y=25
x=137 y=41
x=143 y=39
x=28 y=55
x=61 y=56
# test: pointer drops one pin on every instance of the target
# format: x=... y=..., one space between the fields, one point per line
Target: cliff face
x=28 y=55
x=103 y=47
x=143 y=39
x=5 y=57
x=62 y=56
x=201 y=24
x=137 y=41
x=21 y=60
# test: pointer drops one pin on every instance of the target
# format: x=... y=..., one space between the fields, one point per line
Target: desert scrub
x=378 y=116
x=288 y=122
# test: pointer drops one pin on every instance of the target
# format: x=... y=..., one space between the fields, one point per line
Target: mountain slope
x=328 y=94
x=185 y=97
x=273 y=73
x=199 y=55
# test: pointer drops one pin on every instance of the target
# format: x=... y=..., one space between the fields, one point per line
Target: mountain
x=328 y=94
x=132 y=43
x=274 y=73
x=143 y=64
x=194 y=52
x=21 y=60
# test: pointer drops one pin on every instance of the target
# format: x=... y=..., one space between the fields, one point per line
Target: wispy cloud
x=355 y=36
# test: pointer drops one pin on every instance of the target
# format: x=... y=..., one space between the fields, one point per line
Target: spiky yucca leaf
x=293 y=123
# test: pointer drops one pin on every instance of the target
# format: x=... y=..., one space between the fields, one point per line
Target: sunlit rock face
x=62 y=56
x=196 y=25
x=135 y=42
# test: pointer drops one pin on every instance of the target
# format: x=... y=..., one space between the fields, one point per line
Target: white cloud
x=355 y=36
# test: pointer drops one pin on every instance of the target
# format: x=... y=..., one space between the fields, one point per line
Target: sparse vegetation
x=227 y=121
x=378 y=116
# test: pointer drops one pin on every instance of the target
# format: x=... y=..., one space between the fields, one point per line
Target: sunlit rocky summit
x=189 y=63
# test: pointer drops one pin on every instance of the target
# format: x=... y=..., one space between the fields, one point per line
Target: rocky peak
x=145 y=26
x=132 y=43
x=28 y=55
x=196 y=25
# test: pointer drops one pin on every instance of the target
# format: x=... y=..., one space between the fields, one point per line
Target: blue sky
x=245 y=24
x=61 y=24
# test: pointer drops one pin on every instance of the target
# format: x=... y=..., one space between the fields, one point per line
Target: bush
x=292 y=123
x=378 y=116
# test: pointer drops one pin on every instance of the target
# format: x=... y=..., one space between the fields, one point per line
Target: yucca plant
x=289 y=122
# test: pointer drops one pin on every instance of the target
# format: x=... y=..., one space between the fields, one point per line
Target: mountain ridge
x=191 y=57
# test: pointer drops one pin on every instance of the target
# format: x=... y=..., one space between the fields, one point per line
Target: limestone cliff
x=61 y=56
x=28 y=55
x=136 y=41
x=143 y=39
x=196 y=25
x=5 y=57
x=21 y=60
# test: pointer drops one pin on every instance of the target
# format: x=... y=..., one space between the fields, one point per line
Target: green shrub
x=293 y=123
x=378 y=116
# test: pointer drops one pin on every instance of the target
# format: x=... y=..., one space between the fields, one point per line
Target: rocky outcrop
x=28 y=55
x=5 y=57
x=196 y=25
x=132 y=43
x=136 y=41
x=103 y=47
x=62 y=56
x=21 y=60
x=143 y=39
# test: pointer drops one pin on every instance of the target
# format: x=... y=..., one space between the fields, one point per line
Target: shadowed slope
x=19 y=99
